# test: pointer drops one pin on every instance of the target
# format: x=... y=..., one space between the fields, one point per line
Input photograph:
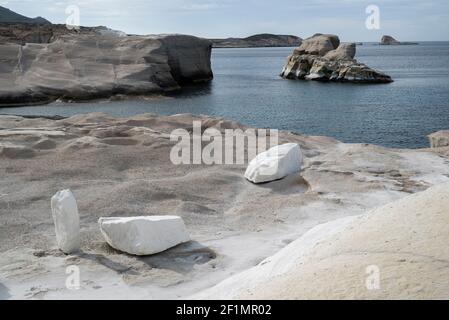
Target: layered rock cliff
x=40 y=65
x=324 y=58
x=22 y=33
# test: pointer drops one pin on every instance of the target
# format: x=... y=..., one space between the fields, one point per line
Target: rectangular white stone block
x=144 y=235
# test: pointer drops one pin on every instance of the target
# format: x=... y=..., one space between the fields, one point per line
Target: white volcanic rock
x=275 y=164
x=67 y=222
x=319 y=44
x=323 y=58
x=100 y=64
x=144 y=235
x=336 y=180
x=345 y=51
x=404 y=241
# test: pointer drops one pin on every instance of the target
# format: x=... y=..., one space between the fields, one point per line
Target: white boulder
x=275 y=164
x=144 y=235
x=67 y=222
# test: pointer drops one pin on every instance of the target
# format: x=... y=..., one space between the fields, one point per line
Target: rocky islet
x=323 y=58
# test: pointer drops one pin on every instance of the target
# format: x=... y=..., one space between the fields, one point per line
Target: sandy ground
x=121 y=167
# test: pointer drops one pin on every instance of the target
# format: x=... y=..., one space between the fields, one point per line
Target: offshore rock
x=324 y=58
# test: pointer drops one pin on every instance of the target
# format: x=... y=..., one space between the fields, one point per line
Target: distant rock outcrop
x=8 y=16
x=322 y=57
x=258 y=40
x=42 y=64
x=389 y=41
x=22 y=33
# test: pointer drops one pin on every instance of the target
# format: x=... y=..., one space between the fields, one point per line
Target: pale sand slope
x=121 y=167
x=407 y=240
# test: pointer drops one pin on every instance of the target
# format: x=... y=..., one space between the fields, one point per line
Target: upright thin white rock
x=67 y=222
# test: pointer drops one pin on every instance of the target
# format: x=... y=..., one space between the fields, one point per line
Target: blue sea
x=247 y=88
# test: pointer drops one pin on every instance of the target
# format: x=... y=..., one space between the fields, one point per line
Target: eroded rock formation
x=324 y=58
x=42 y=64
x=334 y=260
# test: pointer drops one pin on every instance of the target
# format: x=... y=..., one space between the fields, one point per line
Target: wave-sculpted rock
x=275 y=164
x=397 y=251
x=324 y=58
x=319 y=44
x=99 y=65
x=144 y=235
x=23 y=33
x=67 y=221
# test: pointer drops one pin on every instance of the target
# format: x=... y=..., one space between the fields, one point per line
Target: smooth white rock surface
x=144 y=235
x=67 y=222
x=405 y=240
x=275 y=164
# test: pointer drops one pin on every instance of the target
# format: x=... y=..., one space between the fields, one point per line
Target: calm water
x=247 y=88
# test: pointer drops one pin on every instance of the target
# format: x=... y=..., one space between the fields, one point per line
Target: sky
x=406 y=20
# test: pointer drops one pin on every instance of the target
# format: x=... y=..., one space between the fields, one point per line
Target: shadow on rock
x=108 y=263
x=293 y=184
x=182 y=258
x=190 y=91
x=4 y=292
